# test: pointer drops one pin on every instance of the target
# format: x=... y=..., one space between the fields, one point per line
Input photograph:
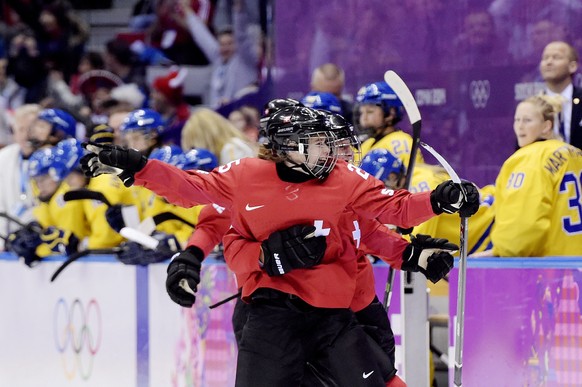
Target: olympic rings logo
x=480 y=92
x=77 y=331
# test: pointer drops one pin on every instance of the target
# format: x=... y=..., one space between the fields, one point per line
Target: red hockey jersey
x=261 y=203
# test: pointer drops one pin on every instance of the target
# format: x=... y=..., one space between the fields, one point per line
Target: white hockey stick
x=407 y=99
x=459 y=326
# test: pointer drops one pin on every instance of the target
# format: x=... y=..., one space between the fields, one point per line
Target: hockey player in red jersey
x=300 y=312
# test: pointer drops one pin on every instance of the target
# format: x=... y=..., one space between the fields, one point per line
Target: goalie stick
x=407 y=99
x=459 y=326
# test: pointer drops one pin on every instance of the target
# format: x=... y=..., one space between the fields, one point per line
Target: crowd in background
x=52 y=88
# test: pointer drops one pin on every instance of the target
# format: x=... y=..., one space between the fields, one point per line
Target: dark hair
x=95 y=59
x=225 y=31
x=121 y=51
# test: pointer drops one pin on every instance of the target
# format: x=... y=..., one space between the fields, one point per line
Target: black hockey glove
x=112 y=159
x=184 y=276
x=430 y=256
x=447 y=197
x=135 y=254
x=292 y=248
x=24 y=242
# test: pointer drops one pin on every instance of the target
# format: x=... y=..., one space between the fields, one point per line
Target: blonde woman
x=207 y=129
x=538 y=193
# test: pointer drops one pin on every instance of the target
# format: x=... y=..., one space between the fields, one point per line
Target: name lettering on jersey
x=292 y=192
x=357 y=234
x=555 y=161
x=226 y=167
x=359 y=171
x=387 y=191
x=278 y=263
x=319 y=230
x=558 y=158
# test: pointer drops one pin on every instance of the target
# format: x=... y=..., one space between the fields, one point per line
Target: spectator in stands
x=62 y=37
x=558 y=64
x=246 y=119
x=234 y=53
x=11 y=94
x=26 y=66
x=171 y=34
x=95 y=86
x=330 y=78
x=128 y=95
x=209 y=130
x=11 y=97
x=478 y=44
x=90 y=60
x=120 y=60
x=60 y=33
x=15 y=195
x=167 y=98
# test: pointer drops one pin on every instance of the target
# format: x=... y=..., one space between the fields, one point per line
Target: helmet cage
x=319 y=158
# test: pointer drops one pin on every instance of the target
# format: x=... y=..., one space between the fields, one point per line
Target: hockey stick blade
x=86 y=194
x=445 y=164
x=403 y=92
x=139 y=237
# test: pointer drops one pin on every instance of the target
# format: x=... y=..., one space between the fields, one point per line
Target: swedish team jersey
x=398 y=143
x=68 y=216
x=426 y=178
x=102 y=235
x=538 y=202
x=182 y=231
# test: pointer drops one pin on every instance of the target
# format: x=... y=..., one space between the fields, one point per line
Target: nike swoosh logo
x=249 y=208
x=365 y=375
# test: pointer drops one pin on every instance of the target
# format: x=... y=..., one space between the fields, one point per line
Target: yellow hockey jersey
x=182 y=231
x=101 y=235
x=398 y=143
x=68 y=216
x=538 y=202
x=425 y=178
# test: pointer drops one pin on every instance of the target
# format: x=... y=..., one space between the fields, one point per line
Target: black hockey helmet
x=291 y=128
x=287 y=124
x=275 y=105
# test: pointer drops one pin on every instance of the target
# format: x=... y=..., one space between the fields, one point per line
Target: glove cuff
x=434 y=203
x=195 y=251
x=409 y=261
